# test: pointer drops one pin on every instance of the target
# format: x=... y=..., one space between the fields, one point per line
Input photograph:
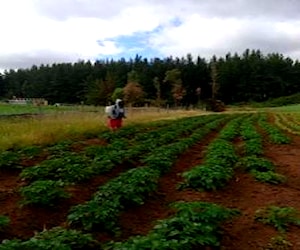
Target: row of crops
x=289 y=122
x=149 y=152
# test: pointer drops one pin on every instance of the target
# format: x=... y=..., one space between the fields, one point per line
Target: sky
x=35 y=32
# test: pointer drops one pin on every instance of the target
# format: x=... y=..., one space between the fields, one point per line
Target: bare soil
x=242 y=192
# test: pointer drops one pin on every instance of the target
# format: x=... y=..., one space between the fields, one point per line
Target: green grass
x=14 y=109
x=286 y=109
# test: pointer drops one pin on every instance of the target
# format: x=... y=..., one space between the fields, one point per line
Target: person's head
x=120 y=103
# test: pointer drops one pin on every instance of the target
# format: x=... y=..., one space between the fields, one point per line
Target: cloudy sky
x=49 y=31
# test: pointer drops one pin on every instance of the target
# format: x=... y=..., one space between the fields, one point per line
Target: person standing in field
x=115 y=113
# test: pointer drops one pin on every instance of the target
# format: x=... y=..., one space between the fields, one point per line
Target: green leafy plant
x=59 y=147
x=44 y=192
x=54 y=239
x=274 y=133
x=130 y=188
x=252 y=139
x=14 y=244
x=268 y=177
x=253 y=146
x=279 y=242
x=254 y=162
x=231 y=129
x=217 y=169
x=279 y=217
x=195 y=224
x=9 y=159
x=4 y=221
x=206 y=177
x=31 y=151
x=69 y=167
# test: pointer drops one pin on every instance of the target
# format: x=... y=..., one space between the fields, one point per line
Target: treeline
x=251 y=76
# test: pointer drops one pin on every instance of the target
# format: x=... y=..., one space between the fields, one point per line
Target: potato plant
x=4 y=222
x=57 y=238
x=196 y=224
x=252 y=138
x=274 y=133
x=256 y=163
x=9 y=160
x=69 y=167
x=285 y=122
x=219 y=161
x=279 y=217
x=43 y=192
x=262 y=169
x=217 y=169
x=131 y=187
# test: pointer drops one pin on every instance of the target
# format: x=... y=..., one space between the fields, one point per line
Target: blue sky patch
x=138 y=43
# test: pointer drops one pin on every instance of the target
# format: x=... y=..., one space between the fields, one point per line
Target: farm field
x=217 y=181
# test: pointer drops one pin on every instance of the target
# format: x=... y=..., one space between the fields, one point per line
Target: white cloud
x=215 y=36
x=196 y=34
x=47 y=31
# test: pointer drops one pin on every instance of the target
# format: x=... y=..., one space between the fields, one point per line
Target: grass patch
x=48 y=129
x=18 y=132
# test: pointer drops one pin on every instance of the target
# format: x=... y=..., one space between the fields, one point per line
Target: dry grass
x=141 y=115
x=48 y=129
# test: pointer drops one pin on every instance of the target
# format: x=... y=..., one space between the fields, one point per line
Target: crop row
x=288 y=122
x=222 y=157
x=156 y=164
x=135 y=182
x=276 y=136
x=253 y=161
x=13 y=158
x=219 y=161
x=72 y=167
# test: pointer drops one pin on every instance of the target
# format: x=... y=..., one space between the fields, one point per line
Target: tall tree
x=157 y=85
x=214 y=78
x=133 y=92
x=173 y=77
x=117 y=94
x=2 y=89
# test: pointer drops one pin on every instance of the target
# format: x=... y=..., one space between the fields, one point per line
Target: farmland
x=217 y=181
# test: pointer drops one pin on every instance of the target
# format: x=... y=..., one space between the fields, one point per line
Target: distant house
x=32 y=101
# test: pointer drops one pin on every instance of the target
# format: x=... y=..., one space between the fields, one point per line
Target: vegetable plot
x=134 y=161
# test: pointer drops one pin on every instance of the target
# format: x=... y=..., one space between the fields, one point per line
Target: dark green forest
x=250 y=77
